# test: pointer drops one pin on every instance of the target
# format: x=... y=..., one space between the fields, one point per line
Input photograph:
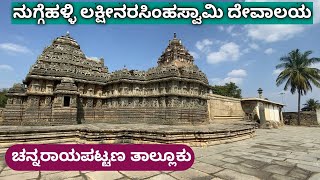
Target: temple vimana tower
x=65 y=87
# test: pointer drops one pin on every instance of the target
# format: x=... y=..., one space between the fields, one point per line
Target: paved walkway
x=286 y=153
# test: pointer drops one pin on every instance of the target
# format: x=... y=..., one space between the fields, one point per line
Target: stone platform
x=291 y=153
x=201 y=135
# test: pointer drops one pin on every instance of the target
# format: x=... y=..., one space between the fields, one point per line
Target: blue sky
x=244 y=54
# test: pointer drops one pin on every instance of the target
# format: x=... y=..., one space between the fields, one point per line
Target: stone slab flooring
x=285 y=153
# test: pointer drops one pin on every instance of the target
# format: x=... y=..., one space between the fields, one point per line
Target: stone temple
x=65 y=87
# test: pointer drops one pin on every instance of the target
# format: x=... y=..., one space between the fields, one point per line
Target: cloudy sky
x=244 y=54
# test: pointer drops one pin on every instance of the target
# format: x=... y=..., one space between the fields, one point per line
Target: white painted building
x=267 y=113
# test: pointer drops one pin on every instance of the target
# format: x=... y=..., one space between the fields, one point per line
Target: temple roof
x=175 y=54
x=64 y=59
x=65 y=49
x=17 y=89
x=67 y=40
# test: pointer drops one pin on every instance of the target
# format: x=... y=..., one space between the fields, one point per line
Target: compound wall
x=224 y=108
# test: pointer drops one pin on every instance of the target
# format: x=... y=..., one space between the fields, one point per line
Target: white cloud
x=219 y=42
x=317 y=65
x=249 y=63
x=277 y=71
x=269 y=51
x=235 y=76
x=237 y=73
x=93 y=58
x=316 y=10
x=235 y=34
x=221 y=28
x=219 y=81
x=204 y=45
x=273 y=33
x=194 y=54
x=14 y=48
x=229 y=29
x=234 y=79
x=227 y=52
x=4 y=67
x=246 y=50
x=216 y=81
x=254 y=46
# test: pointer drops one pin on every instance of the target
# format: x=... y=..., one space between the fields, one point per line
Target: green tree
x=229 y=89
x=3 y=97
x=311 y=105
x=298 y=73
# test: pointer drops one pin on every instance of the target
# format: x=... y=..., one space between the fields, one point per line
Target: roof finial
x=260 y=92
x=174 y=35
x=68 y=34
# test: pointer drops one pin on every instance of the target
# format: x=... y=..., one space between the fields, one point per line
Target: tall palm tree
x=298 y=73
x=311 y=105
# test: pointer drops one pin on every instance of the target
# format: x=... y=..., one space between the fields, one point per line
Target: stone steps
x=197 y=136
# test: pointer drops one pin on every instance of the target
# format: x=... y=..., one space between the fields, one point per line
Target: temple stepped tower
x=66 y=87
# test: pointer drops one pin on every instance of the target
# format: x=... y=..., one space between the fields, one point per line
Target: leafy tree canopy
x=3 y=98
x=229 y=89
x=298 y=73
x=311 y=105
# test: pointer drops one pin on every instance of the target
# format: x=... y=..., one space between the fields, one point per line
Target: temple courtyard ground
x=285 y=153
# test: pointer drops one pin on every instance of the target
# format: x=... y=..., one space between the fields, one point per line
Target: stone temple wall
x=307 y=118
x=224 y=108
x=170 y=105
x=145 y=115
x=174 y=106
x=65 y=87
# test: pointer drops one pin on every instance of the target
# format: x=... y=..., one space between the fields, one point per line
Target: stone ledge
x=201 y=135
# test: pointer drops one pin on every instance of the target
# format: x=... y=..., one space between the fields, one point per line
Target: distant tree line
x=311 y=105
x=3 y=97
x=229 y=89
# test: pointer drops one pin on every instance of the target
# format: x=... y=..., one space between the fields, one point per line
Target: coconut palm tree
x=311 y=105
x=298 y=73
